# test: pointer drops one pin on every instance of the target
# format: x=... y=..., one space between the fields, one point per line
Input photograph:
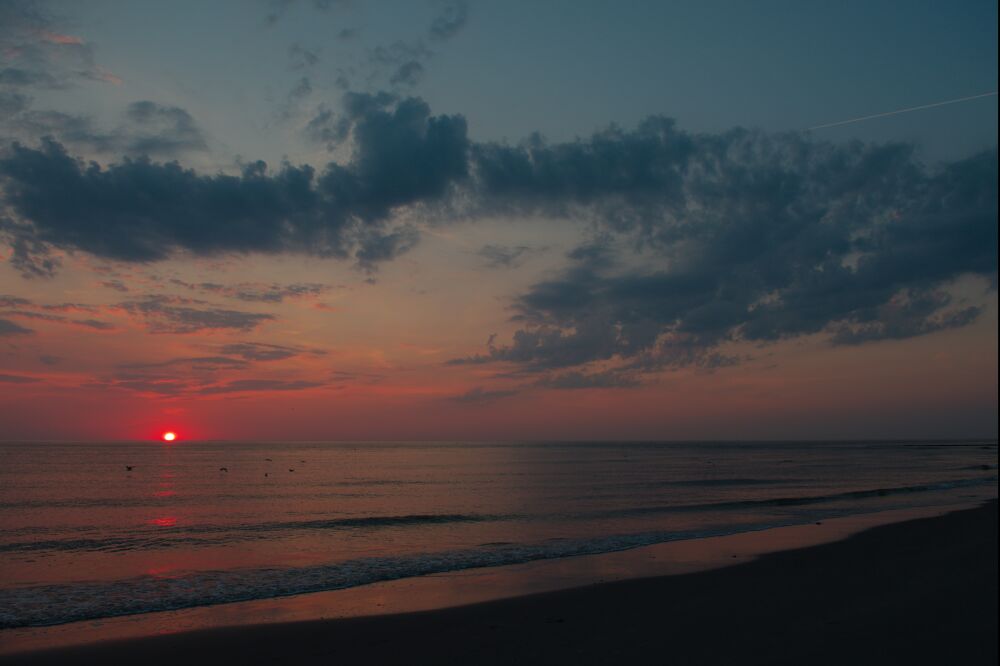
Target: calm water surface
x=83 y=537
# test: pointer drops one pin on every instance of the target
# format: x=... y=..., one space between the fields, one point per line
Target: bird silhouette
x=128 y=468
x=223 y=469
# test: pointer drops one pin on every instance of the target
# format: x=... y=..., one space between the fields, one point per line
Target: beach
x=920 y=591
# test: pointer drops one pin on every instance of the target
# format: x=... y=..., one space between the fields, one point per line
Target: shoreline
x=402 y=601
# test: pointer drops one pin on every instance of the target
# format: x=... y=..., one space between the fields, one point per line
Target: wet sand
x=921 y=591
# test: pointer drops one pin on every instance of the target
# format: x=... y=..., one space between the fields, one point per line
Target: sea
x=92 y=530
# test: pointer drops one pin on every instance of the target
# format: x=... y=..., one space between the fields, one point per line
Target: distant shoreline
x=920 y=591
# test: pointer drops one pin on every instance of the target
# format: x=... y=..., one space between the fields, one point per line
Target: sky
x=471 y=220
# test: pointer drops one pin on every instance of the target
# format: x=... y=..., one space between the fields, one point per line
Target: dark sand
x=919 y=592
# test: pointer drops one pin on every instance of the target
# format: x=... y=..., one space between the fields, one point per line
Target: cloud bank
x=741 y=236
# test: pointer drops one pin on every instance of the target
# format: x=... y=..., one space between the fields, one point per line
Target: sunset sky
x=336 y=219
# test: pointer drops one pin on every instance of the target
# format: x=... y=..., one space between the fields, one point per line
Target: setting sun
x=169 y=436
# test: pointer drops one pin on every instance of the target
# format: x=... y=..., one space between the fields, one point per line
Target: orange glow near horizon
x=169 y=436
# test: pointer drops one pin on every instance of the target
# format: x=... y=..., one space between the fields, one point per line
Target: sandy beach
x=921 y=591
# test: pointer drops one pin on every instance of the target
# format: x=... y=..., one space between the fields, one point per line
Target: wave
x=172 y=537
x=710 y=483
x=42 y=605
x=168 y=537
x=58 y=604
x=45 y=605
x=777 y=502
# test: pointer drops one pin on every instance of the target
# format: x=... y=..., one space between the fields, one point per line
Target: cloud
x=15 y=306
x=187 y=375
x=31 y=257
x=8 y=327
x=210 y=363
x=481 y=396
x=164 y=314
x=258 y=351
x=59 y=319
x=140 y=210
x=117 y=285
x=38 y=55
x=766 y=238
x=450 y=21
x=502 y=256
x=16 y=77
x=700 y=241
x=18 y=379
x=12 y=102
x=408 y=73
x=255 y=385
x=746 y=237
x=160 y=130
x=403 y=61
x=301 y=57
x=256 y=292
x=907 y=314
x=146 y=128
x=278 y=8
x=165 y=386
x=578 y=380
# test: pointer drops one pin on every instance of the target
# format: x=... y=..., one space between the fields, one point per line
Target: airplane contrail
x=912 y=108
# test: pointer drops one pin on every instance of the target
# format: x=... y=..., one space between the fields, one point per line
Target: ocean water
x=84 y=537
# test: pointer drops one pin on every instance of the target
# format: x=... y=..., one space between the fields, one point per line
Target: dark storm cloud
x=164 y=314
x=140 y=210
x=760 y=237
x=741 y=236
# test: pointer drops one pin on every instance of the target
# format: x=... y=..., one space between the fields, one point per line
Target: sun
x=169 y=436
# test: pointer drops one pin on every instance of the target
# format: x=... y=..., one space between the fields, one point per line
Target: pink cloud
x=106 y=76
x=56 y=38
